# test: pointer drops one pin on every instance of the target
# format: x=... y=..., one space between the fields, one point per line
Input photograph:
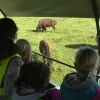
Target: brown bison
x=45 y=49
x=43 y=23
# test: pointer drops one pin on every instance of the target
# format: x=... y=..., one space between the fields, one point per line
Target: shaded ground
x=76 y=46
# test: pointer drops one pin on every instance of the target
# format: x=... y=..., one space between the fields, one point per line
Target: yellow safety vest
x=3 y=65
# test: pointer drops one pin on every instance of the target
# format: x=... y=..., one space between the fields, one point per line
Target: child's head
x=8 y=29
x=34 y=74
x=86 y=59
x=25 y=49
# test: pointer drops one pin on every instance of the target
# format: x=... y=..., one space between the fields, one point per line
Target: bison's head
x=38 y=29
x=54 y=22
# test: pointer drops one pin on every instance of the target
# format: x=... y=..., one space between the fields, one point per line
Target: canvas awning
x=49 y=8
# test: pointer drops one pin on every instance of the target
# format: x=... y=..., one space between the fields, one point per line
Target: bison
x=45 y=49
x=43 y=23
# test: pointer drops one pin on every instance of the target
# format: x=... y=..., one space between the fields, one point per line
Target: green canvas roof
x=48 y=8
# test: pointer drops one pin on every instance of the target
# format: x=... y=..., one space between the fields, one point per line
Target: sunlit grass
x=71 y=33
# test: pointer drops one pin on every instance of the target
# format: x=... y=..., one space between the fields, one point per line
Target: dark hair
x=8 y=28
x=34 y=74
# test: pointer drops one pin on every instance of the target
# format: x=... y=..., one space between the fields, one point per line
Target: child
x=34 y=77
x=81 y=85
x=10 y=60
x=25 y=50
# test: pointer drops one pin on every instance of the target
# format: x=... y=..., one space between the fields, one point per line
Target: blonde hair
x=25 y=50
x=86 y=59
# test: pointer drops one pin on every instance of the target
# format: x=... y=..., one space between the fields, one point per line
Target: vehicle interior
x=61 y=8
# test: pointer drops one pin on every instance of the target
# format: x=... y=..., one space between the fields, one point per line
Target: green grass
x=71 y=33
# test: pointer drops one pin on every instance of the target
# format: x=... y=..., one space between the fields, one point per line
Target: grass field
x=71 y=33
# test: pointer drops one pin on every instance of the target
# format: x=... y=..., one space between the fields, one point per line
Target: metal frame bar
x=96 y=15
x=3 y=13
x=54 y=60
